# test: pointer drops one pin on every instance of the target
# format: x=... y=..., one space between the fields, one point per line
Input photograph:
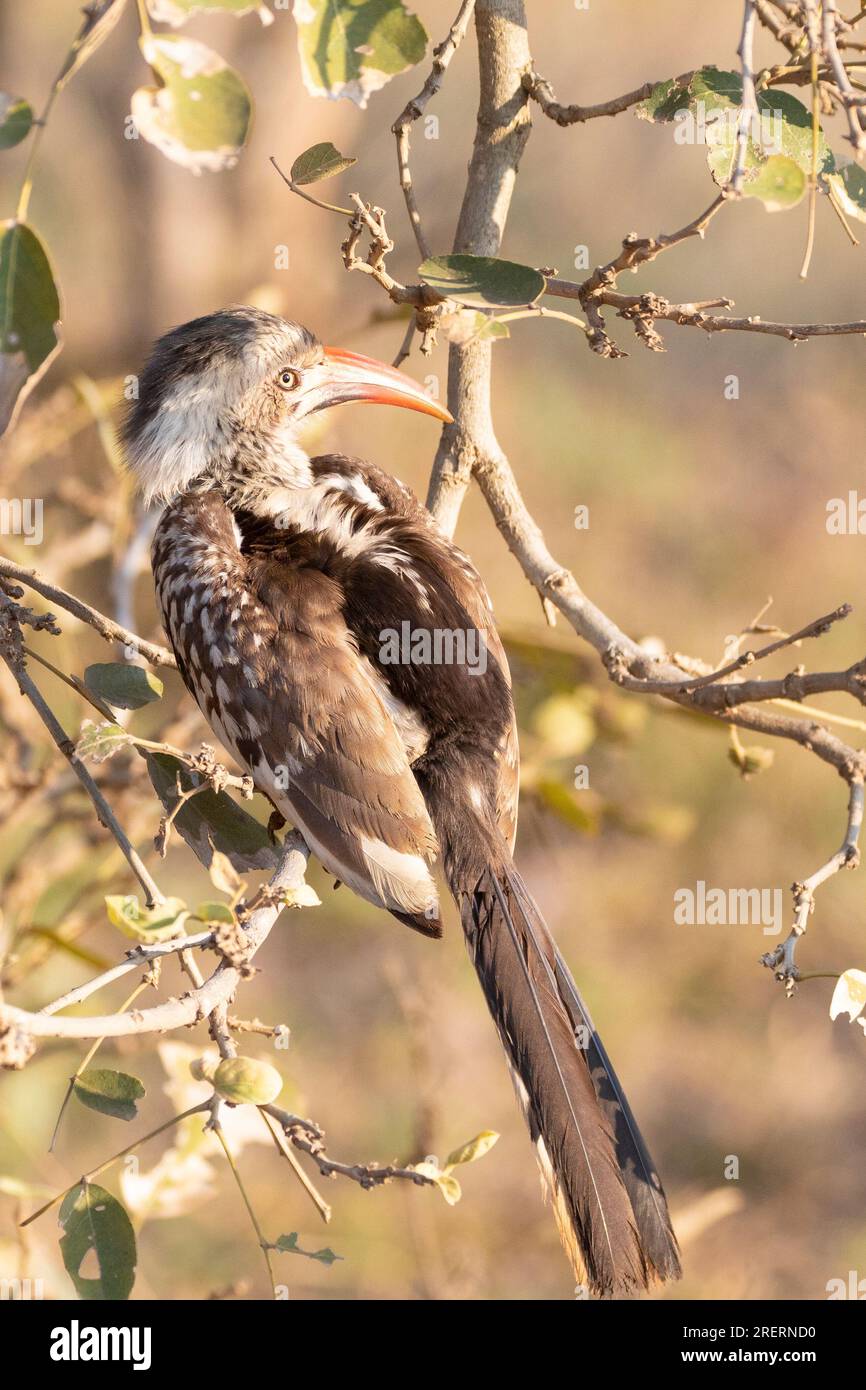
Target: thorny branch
x=310 y=1139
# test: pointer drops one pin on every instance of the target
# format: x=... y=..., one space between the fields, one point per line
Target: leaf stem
x=266 y=1247
x=813 y=178
x=541 y=313
x=130 y=1148
x=317 y=202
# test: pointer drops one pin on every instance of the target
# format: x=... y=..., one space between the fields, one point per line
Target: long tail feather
x=608 y=1202
x=641 y=1179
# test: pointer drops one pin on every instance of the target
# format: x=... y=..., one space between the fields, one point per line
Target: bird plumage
x=279 y=578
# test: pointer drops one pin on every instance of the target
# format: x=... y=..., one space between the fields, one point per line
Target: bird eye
x=288 y=379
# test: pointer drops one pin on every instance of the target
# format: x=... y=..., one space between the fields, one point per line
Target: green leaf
x=214 y=912
x=663 y=102
x=123 y=685
x=779 y=148
x=29 y=314
x=100 y=741
x=482 y=280
x=319 y=162
x=351 y=48
x=112 y=1093
x=849 y=188
x=16 y=118
x=160 y=923
x=177 y=12
x=779 y=183
x=199 y=116
x=94 y=1221
x=289 y=1246
x=473 y=1149
x=99 y=19
x=212 y=820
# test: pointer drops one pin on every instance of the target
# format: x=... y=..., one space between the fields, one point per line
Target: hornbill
x=282 y=579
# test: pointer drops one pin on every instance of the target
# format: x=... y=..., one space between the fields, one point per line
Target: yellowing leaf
x=214 y=912
x=849 y=996
x=303 y=896
x=473 y=1149
x=450 y=1188
x=199 y=116
x=177 y=12
x=100 y=741
x=149 y=924
x=351 y=48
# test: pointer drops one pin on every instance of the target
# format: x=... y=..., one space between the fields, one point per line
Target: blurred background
x=700 y=509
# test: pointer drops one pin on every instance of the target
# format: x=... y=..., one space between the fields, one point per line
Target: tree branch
x=540 y=91
x=192 y=1007
x=106 y=627
x=501 y=132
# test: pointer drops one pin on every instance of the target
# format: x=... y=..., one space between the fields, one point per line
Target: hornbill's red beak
x=347 y=376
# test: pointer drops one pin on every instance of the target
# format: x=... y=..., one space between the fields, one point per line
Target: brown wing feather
x=265 y=650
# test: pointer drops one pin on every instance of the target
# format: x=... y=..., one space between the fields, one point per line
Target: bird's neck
x=261 y=476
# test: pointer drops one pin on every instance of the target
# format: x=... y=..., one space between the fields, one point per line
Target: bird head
x=223 y=397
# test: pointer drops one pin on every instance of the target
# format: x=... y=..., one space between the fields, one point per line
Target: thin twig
x=540 y=90
x=781 y=960
x=309 y=197
x=104 y=812
x=850 y=99
x=442 y=55
x=191 y=1007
